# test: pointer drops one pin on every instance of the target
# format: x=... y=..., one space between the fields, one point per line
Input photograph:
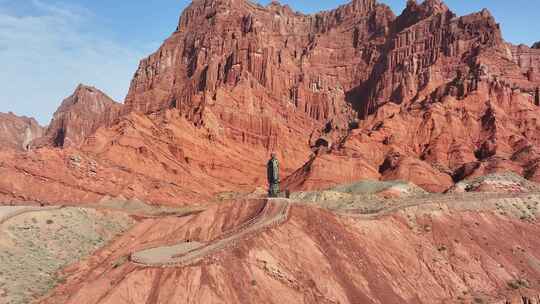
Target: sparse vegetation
x=37 y=246
x=120 y=261
x=478 y=300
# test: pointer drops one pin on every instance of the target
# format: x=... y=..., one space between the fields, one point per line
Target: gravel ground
x=36 y=244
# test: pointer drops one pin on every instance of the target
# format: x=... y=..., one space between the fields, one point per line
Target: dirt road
x=273 y=212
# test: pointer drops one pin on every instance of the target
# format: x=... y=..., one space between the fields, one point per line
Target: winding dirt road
x=274 y=212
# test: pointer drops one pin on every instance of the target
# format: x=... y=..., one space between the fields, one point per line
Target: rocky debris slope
x=504 y=183
x=364 y=197
x=17 y=133
x=463 y=250
x=79 y=116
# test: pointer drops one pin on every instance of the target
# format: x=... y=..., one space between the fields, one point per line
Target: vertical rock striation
x=257 y=69
x=347 y=94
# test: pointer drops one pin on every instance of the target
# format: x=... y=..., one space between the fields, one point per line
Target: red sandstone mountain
x=429 y=75
x=79 y=116
x=17 y=132
x=449 y=99
x=349 y=94
x=426 y=96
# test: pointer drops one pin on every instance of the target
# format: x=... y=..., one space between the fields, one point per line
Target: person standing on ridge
x=272 y=169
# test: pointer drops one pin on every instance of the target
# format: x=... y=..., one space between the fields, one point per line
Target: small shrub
x=61 y=280
x=119 y=262
x=479 y=300
x=513 y=285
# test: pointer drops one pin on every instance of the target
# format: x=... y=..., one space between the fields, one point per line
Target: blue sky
x=47 y=47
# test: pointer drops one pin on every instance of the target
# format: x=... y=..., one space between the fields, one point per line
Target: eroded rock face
x=324 y=70
x=261 y=70
x=448 y=139
x=165 y=160
x=528 y=59
x=337 y=94
x=448 y=97
x=79 y=116
x=18 y=132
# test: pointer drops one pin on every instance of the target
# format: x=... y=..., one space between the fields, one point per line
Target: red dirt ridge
x=422 y=254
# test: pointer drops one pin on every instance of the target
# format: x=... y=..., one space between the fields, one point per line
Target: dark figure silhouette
x=272 y=169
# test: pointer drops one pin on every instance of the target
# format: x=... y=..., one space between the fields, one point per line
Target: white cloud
x=45 y=54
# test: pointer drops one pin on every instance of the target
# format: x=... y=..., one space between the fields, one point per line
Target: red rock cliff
x=259 y=70
x=17 y=132
x=352 y=93
x=446 y=99
x=233 y=66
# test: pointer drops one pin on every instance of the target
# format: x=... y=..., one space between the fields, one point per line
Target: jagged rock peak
x=88 y=95
x=364 y=5
x=536 y=45
x=414 y=12
x=82 y=87
x=426 y=8
x=79 y=115
x=277 y=7
x=215 y=13
x=434 y=5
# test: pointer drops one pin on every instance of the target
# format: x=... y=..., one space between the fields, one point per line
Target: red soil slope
x=434 y=253
x=163 y=160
